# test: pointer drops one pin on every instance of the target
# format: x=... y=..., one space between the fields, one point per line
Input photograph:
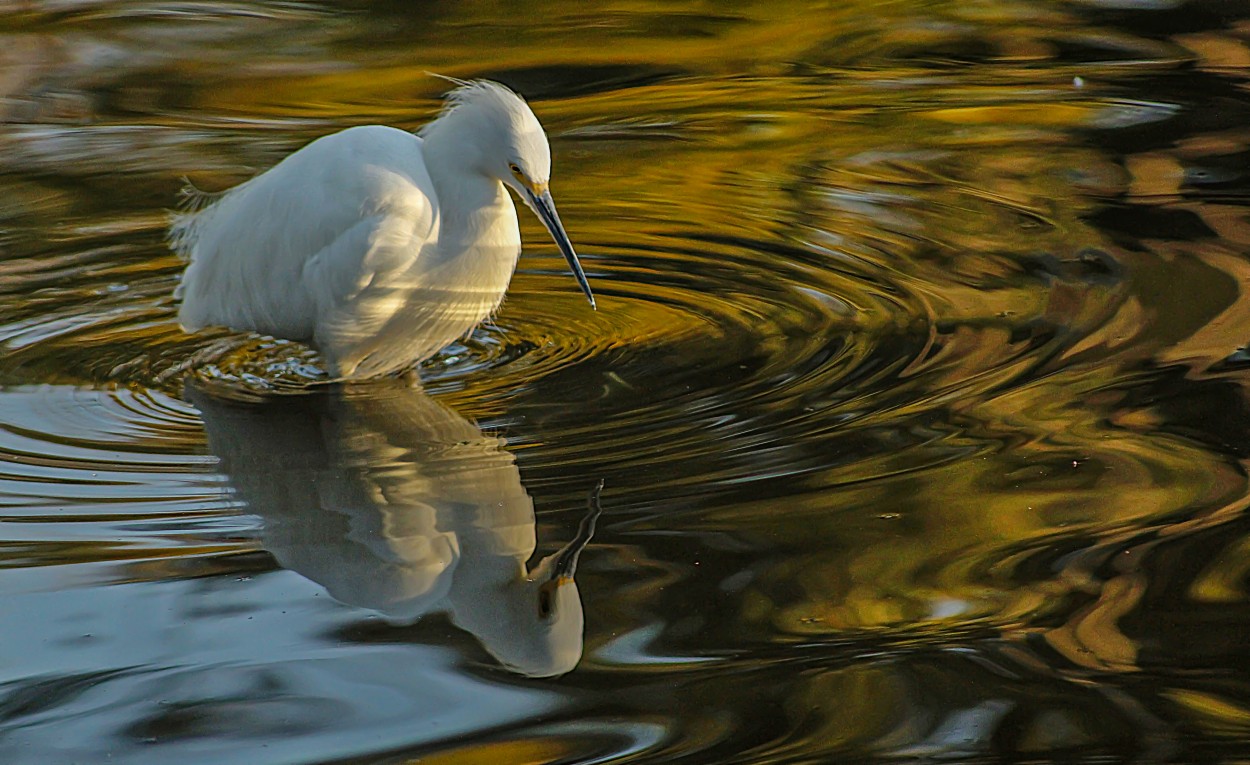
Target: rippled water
x=917 y=391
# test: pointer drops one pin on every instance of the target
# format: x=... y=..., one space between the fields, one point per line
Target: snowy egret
x=375 y=246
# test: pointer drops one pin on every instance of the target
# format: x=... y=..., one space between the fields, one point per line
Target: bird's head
x=537 y=628
x=511 y=147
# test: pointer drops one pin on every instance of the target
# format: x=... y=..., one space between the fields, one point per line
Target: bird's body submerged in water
x=376 y=246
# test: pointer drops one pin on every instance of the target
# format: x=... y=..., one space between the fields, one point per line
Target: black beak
x=566 y=560
x=545 y=207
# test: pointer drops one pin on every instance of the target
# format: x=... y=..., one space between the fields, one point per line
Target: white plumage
x=376 y=246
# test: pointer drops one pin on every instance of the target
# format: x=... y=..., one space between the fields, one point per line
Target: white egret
x=375 y=246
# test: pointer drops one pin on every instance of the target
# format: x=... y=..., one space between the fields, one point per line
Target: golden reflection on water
x=917 y=386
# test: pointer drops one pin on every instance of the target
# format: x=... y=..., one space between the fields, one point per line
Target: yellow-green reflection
x=915 y=383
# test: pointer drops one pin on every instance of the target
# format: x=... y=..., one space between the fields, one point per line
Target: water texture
x=917 y=391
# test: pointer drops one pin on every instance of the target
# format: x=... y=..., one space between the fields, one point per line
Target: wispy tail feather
x=193 y=204
x=192 y=199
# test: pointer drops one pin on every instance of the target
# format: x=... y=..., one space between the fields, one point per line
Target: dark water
x=917 y=390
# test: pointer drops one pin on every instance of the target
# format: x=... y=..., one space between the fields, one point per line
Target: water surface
x=917 y=390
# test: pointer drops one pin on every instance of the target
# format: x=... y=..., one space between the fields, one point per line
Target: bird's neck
x=468 y=199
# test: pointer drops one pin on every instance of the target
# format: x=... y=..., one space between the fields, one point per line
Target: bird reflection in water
x=394 y=503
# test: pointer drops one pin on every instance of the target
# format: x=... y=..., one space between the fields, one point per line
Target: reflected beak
x=566 y=564
x=543 y=206
x=566 y=559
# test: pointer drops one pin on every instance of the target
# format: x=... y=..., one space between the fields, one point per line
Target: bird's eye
x=544 y=603
x=515 y=170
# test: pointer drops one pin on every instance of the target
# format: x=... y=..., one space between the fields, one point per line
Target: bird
x=374 y=245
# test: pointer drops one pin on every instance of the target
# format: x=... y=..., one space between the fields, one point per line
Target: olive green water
x=916 y=389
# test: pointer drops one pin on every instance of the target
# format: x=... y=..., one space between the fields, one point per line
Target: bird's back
x=276 y=253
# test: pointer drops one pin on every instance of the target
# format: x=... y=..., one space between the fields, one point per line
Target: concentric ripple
x=107 y=482
x=916 y=394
